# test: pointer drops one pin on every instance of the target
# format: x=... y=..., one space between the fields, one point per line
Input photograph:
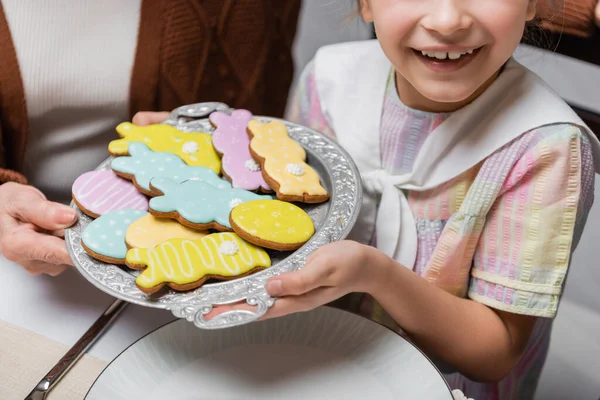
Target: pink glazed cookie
x=231 y=140
x=99 y=192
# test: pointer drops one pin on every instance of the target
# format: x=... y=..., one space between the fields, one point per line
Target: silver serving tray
x=333 y=221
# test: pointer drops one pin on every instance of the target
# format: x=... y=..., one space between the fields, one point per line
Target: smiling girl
x=477 y=183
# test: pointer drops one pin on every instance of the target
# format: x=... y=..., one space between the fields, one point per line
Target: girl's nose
x=447 y=17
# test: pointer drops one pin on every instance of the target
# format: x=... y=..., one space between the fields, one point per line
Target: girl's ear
x=365 y=11
x=531 y=10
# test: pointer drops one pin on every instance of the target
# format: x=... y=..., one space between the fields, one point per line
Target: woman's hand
x=144 y=118
x=31 y=229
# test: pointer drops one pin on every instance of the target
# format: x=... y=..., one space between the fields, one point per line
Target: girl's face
x=446 y=52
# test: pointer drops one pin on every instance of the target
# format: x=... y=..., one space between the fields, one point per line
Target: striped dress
x=513 y=220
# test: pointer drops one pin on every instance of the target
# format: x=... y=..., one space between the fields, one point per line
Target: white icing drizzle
x=252 y=165
x=127 y=195
x=190 y=147
x=158 y=259
x=235 y=202
x=229 y=248
x=295 y=169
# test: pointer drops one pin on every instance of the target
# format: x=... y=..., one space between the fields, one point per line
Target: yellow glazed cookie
x=194 y=148
x=283 y=162
x=186 y=264
x=273 y=224
x=149 y=231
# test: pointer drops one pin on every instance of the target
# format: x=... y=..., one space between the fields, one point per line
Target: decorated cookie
x=231 y=140
x=144 y=164
x=272 y=224
x=186 y=264
x=283 y=163
x=99 y=192
x=149 y=231
x=197 y=204
x=104 y=238
x=194 y=148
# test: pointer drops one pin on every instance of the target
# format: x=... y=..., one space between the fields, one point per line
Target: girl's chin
x=446 y=97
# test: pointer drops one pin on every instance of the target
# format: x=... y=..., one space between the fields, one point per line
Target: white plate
x=323 y=354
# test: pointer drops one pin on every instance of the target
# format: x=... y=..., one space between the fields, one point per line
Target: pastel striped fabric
x=501 y=234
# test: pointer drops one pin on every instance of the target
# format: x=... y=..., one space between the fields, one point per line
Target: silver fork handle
x=74 y=354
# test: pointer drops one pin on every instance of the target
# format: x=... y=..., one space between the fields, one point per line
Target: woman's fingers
x=24 y=245
x=144 y=118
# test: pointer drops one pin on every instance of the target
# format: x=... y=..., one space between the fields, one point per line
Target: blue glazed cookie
x=104 y=238
x=197 y=204
x=144 y=164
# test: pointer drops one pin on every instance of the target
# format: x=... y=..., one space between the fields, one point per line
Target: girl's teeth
x=453 y=55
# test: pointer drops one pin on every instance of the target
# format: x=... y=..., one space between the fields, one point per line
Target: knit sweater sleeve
x=7 y=175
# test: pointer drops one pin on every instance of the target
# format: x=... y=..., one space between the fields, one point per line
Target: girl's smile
x=447 y=52
x=446 y=59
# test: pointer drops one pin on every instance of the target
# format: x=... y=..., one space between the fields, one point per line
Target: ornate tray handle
x=196 y=314
x=182 y=115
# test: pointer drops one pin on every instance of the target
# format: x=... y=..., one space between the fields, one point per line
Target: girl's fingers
x=306 y=302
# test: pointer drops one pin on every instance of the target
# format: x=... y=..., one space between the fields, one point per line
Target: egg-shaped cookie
x=104 y=237
x=272 y=224
x=99 y=192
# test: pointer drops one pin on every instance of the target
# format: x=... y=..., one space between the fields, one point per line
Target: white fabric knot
x=459 y=395
x=375 y=181
x=394 y=221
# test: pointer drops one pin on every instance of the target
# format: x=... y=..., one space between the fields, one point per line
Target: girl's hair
x=534 y=30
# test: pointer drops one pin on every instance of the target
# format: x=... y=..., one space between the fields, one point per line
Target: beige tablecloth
x=25 y=357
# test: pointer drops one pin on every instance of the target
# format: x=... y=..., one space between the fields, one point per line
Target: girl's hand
x=144 y=118
x=330 y=273
x=31 y=229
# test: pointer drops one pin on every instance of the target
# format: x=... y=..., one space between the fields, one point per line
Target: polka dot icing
x=165 y=138
x=149 y=231
x=144 y=164
x=230 y=138
x=105 y=235
x=229 y=248
x=198 y=202
x=268 y=142
x=273 y=221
